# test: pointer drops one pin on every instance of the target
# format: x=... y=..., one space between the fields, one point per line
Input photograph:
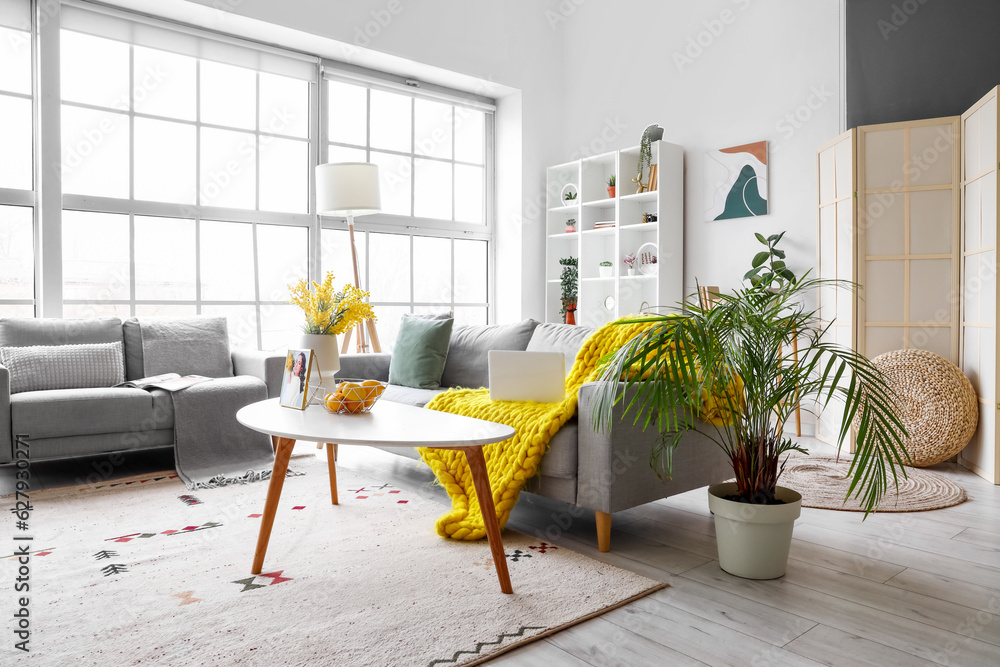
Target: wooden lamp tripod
x=350 y=189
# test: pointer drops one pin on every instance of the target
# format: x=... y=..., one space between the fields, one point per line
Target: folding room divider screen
x=899 y=239
x=979 y=279
x=909 y=211
x=837 y=182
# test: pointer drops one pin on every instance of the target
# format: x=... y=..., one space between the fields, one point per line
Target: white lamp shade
x=347 y=188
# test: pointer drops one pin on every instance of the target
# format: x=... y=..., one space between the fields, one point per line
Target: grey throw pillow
x=468 y=357
x=186 y=346
x=419 y=353
x=39 y=367
x=565 y=338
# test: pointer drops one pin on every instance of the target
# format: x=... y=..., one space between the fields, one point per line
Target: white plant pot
x=325 y=350
x=753 y=540
x=631 y=272
x=606 y=271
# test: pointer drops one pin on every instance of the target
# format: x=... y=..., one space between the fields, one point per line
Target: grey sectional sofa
x=602 y=472
x=103 y=419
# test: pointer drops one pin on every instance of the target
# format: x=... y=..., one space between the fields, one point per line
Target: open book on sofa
x=167 y=381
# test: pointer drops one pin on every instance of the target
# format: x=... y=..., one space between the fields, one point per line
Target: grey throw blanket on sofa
x=211 y=448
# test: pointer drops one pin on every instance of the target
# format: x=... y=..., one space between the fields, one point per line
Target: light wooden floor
x=898 y=589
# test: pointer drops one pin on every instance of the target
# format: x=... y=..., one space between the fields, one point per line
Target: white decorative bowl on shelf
x=569 y=188
x=647 y=259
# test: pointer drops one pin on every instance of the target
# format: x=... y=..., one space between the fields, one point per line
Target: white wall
x=714 y=73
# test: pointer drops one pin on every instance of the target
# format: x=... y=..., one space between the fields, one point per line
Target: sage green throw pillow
x=420 y=351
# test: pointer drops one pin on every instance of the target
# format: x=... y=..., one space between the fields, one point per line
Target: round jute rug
x=823 y=483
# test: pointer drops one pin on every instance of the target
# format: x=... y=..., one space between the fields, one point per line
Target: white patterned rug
x=145 y=572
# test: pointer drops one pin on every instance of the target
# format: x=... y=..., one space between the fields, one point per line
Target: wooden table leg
x=281 y=456
x=481 y=479
x=331 y=462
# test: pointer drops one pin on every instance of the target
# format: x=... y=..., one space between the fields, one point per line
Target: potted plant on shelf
x=571 y=225
x=568 y=283
x=328 y=314
x=652 y=133
x=732 y=366
x=630 y=261
x=611 y=187
x=606 y=269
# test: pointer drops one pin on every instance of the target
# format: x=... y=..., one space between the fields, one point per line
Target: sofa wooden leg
x=603 y=531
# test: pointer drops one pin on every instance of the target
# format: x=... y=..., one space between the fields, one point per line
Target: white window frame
x=413 y=226
x=48 y=201
x=198 y=212
x=29 y=198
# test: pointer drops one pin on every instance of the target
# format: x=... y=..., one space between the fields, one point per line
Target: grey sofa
x=604 y=472
x=95 y=420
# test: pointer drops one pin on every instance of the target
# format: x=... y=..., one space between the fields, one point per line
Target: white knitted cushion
x=64 y=366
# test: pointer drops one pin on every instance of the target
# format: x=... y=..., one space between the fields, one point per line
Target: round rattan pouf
x=939 y=406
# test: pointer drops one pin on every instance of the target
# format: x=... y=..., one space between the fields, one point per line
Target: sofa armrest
x=269 y=366
x=613 y=466
x=365 y=366
x=6 y=437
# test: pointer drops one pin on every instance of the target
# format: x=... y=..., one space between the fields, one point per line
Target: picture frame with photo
x=295 y=380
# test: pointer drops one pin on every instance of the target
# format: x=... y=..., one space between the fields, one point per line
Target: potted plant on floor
x=567 y=284
x=729 y=372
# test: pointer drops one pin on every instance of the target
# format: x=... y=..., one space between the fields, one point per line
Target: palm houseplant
x=729 y=371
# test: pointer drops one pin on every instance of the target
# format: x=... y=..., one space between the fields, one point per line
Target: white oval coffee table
x=388 y=425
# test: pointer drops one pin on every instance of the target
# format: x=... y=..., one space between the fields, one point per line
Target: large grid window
x=407 y=273
x=428 y=251
x=17 y=212
x=431 y=153
x=185 y=178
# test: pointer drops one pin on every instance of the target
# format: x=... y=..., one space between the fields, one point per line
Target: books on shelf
x=167 y=381
x=608 y=224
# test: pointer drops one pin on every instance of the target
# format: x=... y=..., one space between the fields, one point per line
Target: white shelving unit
x=600 y=300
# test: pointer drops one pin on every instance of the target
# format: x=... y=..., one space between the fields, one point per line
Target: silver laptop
x=527 y=376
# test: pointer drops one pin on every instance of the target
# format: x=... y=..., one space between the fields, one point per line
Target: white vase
x=606 y=271
x=753 y=540
x=325 y=351
x=631 y=272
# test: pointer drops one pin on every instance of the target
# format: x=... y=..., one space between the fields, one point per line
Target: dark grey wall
x=911 y=59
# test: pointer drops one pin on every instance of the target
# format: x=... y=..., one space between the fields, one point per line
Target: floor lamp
x=350 y=189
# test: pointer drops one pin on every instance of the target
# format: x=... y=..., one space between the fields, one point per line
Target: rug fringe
x=560 y=628
x=249 y=477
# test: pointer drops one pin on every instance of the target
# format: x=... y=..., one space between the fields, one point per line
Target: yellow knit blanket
x=512 y=461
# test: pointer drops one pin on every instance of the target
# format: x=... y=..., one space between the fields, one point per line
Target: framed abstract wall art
x=736 y=182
